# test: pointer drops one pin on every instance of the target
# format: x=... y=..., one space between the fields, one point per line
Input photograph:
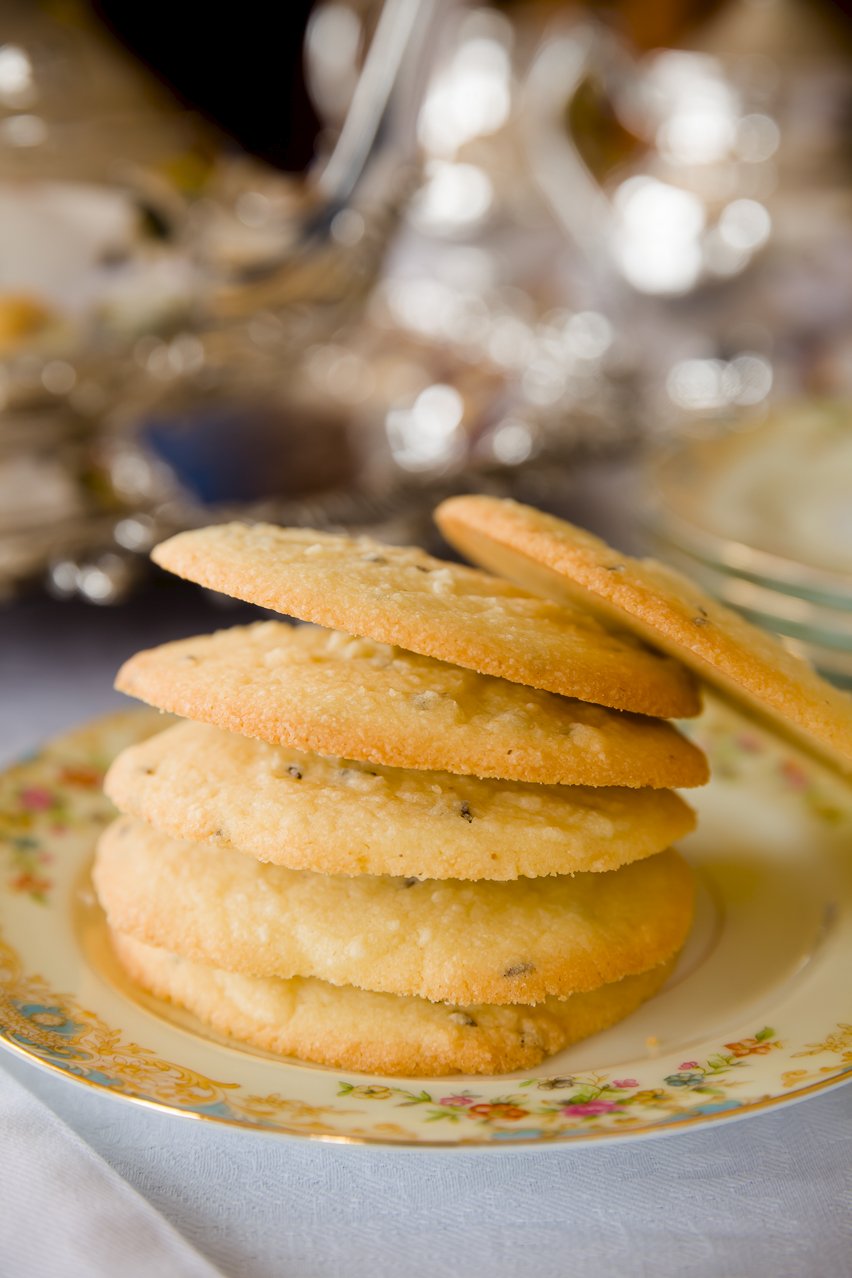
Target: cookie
x=324 y=691
x=339 y=816
x=744 y=663
x=452 y=941
x=402 y=596
x=357 y=1030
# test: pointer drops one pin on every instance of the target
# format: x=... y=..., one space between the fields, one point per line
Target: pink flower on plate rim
x=689 y=1065
x=583 y=1108
x=625 y=1082
x=795 y=775
x=37 y=798
x=456 y=1100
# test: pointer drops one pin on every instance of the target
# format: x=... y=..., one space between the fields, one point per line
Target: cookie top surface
x=402 y=596
x=743 y=662
x=339 y=816
x=326 y=692
x=452 y=941
x=355 y=1029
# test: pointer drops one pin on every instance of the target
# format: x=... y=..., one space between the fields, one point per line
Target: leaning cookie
x=663 y=608
x=452 y=941
x=339 y=816
x=324 y=691
x=401 y=595
x=380 y=1033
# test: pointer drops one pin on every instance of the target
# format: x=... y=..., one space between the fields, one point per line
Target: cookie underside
x=379 y=1033
x=402 y=596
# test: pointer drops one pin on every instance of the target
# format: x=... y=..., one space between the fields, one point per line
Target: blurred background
x=328 y=265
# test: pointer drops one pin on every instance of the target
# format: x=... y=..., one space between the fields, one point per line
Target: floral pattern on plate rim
x=48 y=796
x=54 y=1029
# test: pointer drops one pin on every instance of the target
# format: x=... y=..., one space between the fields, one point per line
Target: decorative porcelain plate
x=756 y=1015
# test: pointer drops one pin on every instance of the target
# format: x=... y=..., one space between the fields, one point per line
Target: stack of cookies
x=428 y=833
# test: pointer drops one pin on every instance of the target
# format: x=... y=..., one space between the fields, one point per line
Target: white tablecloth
x=767 y=1196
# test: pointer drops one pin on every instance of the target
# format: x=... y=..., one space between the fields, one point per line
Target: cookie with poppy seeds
x=325 y=691
x=355 y=1029
x=342 y=816
x=402 y=596
x=456 y=941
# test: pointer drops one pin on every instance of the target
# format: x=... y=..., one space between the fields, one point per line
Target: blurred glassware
x=247 y=235
x=706 y=194
x=658 y=166
x=228 y=339
x=563 y=233
x=263 y=240
x=151 y=267
x=535 y=384
x=763 y=517
x=477 y=286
